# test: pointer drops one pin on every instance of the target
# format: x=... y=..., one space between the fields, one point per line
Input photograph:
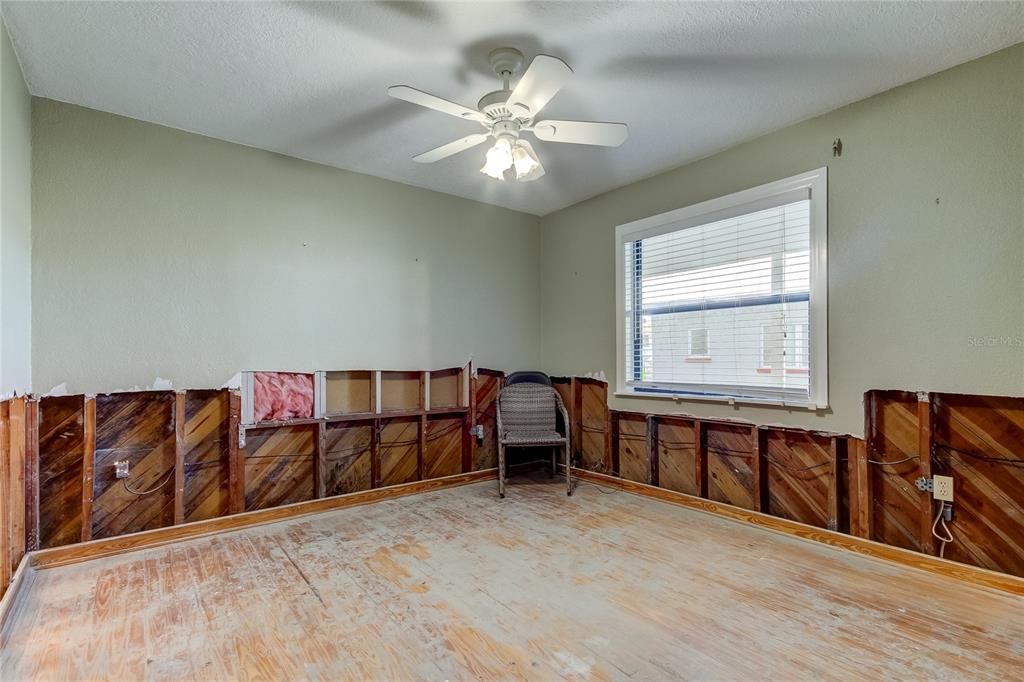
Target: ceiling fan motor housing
x=494 y=105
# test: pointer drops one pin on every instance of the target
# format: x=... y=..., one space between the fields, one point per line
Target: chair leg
x=568 y=471
x=554 y=461
x=501 y=469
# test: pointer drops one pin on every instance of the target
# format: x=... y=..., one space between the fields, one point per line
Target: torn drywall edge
x=812 y=431
x=159 y=384
x=58 y=390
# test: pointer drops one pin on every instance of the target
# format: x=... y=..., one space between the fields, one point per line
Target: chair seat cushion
x=533 y=438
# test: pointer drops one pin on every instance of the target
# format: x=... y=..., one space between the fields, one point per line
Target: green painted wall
x=15 y=224
x=158 y=252
x=926 y=243
x=163 y=253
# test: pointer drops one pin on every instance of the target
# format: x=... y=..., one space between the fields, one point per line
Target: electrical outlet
x=943 y=488
x=121 y=469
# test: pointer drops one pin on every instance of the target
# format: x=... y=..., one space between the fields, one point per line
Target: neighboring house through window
x=727 y=299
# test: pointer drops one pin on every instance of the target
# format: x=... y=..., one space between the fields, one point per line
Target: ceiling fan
x=507 y=113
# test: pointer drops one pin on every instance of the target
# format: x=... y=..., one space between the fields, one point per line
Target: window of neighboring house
x=749 y=270
x=698 y=345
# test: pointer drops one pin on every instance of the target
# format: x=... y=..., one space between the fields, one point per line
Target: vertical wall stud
x=421 y=450
x=31 y=474
x=466 y=464
x=700 y=457
x=839 y=453
x=466 y=452
x=320 y=460
x=236 y=456
x=88 y=463
x=652 y=448
x=758 y=468
x=611 y=442
x=924 y=455
x=470 y=444
x=5 y=496
x=179 y=457
x=614 y=430
x=576 y=417
x=16 y=452
x=375 y=447
x=860 y=489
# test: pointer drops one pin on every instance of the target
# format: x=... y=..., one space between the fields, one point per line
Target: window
x=728 y=299
x=699 y=342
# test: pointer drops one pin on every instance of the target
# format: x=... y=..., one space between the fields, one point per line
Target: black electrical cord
x=632 y=436
x=982 y=457
x=680 y=443
x=795 y=470
x=898 y=461
x=729 y=452
x=142 y=493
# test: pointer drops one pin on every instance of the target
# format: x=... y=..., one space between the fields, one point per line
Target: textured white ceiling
x=309 y=79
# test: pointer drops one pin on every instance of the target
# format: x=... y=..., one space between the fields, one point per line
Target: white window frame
x=815 y=183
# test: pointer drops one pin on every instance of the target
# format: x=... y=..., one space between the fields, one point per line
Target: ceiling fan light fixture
x=526 y=162
x=510 y=111
x=499 y=159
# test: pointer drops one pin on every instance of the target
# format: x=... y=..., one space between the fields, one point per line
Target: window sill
x=729 y=400
x=697 y=358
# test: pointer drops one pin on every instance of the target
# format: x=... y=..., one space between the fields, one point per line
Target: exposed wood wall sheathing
x=191 y=460
x=864 y=487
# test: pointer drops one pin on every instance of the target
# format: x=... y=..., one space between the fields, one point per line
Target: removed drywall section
x=15 y=224
x=926 y=243
x=164 y=252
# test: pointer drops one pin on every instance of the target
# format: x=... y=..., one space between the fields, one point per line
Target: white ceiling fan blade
x=446 y=150
x=542 y=80
x=582 y=132
x=404 y=92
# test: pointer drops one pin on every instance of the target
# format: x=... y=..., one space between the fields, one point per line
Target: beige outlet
x=942 y=488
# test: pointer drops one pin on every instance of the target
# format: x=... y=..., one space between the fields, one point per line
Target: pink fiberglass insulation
x=282 y=395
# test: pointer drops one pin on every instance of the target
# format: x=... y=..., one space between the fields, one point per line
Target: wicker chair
x=528 y=407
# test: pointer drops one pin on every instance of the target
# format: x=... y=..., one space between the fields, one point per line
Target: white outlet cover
x=942 y=488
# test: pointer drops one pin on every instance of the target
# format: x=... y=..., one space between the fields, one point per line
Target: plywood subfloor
x=456 y=584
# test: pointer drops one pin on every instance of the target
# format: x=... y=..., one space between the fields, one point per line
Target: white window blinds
x=719 y=304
